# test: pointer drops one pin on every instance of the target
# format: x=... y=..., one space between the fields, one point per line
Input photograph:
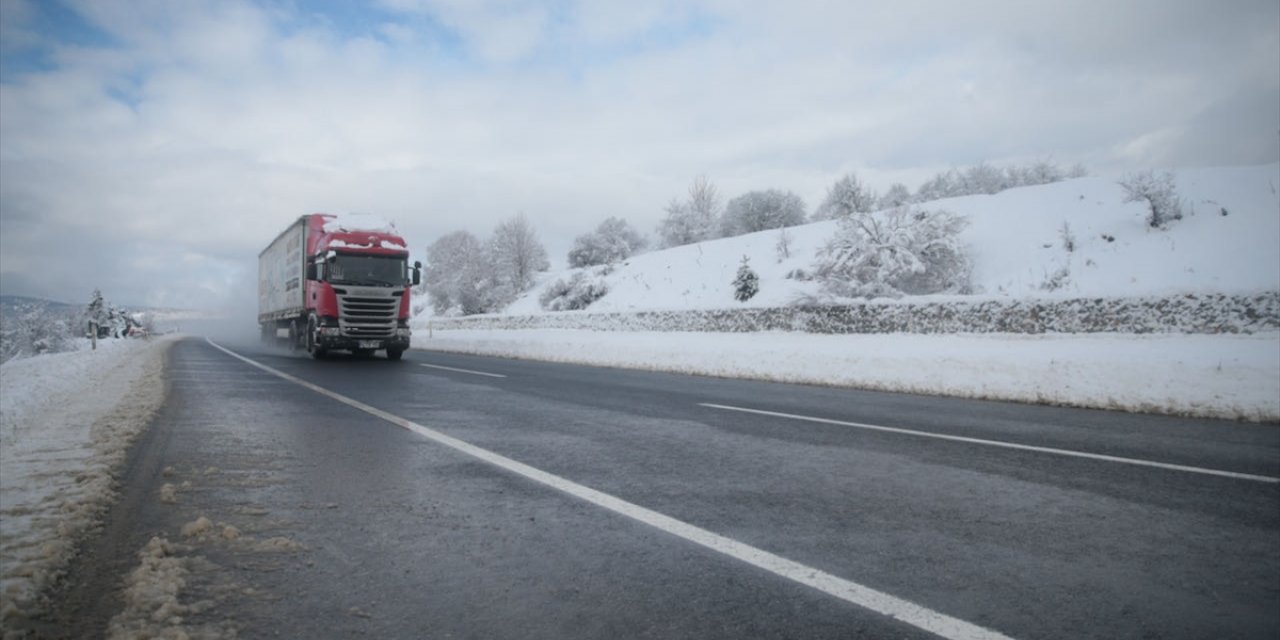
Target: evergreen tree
x=746 y=284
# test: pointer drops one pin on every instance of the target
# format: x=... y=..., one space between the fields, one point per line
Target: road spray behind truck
x=337 y=282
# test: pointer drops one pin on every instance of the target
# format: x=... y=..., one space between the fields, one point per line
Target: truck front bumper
x=332 y=338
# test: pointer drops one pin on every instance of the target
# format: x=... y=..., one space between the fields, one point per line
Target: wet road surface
x=327 y=520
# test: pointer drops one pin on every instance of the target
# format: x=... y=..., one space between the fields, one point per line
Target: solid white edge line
x=474 y=373
x=893 y=607
x=998 y=443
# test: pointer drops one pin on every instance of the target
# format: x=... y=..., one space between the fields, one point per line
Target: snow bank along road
x=1211 y=376
x=463 y=496
x=67 y=422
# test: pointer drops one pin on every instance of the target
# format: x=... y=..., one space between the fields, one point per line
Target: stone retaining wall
x=1191 y=313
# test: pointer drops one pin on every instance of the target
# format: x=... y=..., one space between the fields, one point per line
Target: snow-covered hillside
x=1228 y=242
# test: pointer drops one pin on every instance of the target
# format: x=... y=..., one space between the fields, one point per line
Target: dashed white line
x=474 y=373
x=891 y=606
x=999 y=443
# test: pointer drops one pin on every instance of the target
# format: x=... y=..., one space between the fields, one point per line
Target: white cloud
x=207 y=126
x=498 y=31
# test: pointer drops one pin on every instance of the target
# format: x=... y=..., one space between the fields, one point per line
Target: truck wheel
x=395 y=354
x=313 y=347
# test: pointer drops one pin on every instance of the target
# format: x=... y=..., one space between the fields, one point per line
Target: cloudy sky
x=151 y=148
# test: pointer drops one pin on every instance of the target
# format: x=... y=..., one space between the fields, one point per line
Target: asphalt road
x=352 y=525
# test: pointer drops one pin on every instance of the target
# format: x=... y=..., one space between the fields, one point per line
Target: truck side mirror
x=312 y=272
x=417 y=273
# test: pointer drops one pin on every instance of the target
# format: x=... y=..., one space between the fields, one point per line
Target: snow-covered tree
x=783 y=246
x=456 y=272
x=942 y=185
x=899 y=251
x=98 y=312
x=516 y=256
x=34 y=331
x=578 y=292
x=1040 y=172
x=761 y=210
x=694 y=219
x=112 y=322
x=846 y=197
x=746 y=284
x=984 y=178
x=1159 y=194
x=613 y=241
x=897 y=196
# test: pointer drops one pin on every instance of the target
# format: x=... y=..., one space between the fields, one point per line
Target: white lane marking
x=998 y=443
x=852 y=592
x=474 y=373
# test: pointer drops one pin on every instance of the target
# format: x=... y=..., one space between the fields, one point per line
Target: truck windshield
x=368 y=270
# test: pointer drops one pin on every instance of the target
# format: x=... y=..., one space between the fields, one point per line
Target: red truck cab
x=349 y=289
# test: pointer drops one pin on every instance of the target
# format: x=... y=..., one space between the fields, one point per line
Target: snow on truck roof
x=385 y=244
x=357 y=222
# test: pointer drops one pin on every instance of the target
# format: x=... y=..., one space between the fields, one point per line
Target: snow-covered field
x=66 y=421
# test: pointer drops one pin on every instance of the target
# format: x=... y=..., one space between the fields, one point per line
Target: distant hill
x=11 y=305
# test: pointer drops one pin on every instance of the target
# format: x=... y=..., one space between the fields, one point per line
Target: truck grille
x=368 y=313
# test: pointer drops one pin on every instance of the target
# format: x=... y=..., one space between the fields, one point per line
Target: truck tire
x=395 y=354
x=313 y=347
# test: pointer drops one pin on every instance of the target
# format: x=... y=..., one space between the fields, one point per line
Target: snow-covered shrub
x=35 y=332
x=761 y=210
x=783 y=246
x=613 y=241
x=1159 y=194
x=988 y=179
x=900 y=251
x=897 y=196
x=746 y=284
x=1068 y=238
x=575 y=293
x=845 y=198
x=1056 y=280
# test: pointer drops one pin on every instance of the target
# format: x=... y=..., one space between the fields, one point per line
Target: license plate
x=370 y=344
